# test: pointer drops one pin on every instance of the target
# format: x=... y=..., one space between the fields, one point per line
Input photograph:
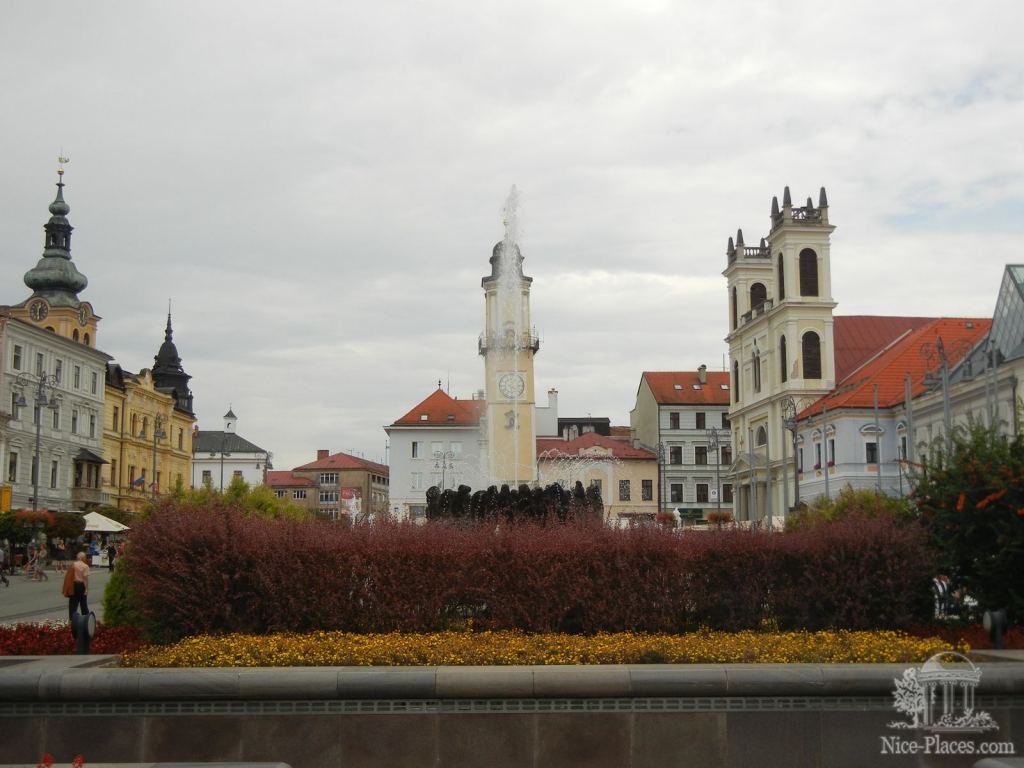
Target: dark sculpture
x=550 y=505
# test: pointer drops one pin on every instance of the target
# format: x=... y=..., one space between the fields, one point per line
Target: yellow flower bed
x=503 y=648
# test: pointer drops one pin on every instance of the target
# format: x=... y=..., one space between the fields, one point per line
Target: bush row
x=196 y=573
x=328 y=649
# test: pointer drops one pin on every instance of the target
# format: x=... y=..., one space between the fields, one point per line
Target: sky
x=317 y=186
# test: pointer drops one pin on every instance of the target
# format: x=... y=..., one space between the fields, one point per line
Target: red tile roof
x=890 y=365
x=284 y=479
x=856 y=338
x=684 y=388
x=554 y=447
x=442 y=409
x=343 y=461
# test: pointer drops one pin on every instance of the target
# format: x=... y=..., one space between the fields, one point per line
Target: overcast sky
x=317 y=186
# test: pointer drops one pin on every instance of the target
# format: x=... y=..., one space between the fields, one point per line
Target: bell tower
x=781 y=347
x=508 y=345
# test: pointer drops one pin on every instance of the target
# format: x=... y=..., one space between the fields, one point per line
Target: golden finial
x=62 y=160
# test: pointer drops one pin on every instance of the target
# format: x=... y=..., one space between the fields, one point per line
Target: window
x=762 y=436
x=56 y=418
x=623 y=490
x=456 y=449
x=417 y=481
x=782 y=279
x=156 y=480
x=436 y=447
x=831 y=457
x=735 y=381
x=871 y=452
x=726 y=454
x=328 y=496
x=298 y=495
x=673 y=420
x=734 y=308
x=700 y=454
x=145 y=426
x=727 y=493
x=782 y=359
x=757 y=372
x=37 y=412
x=92 y=425
x=675 y=454
x=808 y=272
x=702 y=493
x=95 y=381
x=800 y=459
x=207 y=478
x=646 y=490
x=54 y=469
x=74 y=422
x=817 y=455
x=181 y=439
x=676 y=493
x=113 y=472
x=236 y=475
x=35 y=470
x=328 y=478
x=39 y=363
x=58 y=370
x=74 y=335
x=758 y=295
x=596 y=483
x=725 y=420
x=12 y=467
x=701 y=420
x=416 y=450
x=77 y=379
x=903 y=447
x=280 y=493
x=812 y=355
x=17 y=357
x=85 y=339
x=117 y=414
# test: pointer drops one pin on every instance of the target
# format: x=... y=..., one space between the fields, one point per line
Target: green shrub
x=120 y=603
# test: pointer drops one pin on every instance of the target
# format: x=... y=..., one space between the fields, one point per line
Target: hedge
x=192 y=573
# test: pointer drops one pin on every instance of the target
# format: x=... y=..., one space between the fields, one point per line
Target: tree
x=909 y=696
x=863 y=503
x=66 y=525
x=972 y=503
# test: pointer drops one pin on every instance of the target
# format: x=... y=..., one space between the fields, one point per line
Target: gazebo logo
x=939 y=697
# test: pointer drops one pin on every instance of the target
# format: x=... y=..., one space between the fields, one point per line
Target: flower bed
x=54 y=639
x=505 y=648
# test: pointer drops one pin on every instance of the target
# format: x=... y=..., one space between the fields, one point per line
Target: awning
x=89 y=457
x=97 y=523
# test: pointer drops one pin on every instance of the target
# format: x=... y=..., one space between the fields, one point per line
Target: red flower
x=46 y=762
x=78 y=762
x=960 y=502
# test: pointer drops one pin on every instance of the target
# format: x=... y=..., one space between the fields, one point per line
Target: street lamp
x=443 y=460
x=44 y=398
x=789 y=422
x=158 y=433
x=713 y=442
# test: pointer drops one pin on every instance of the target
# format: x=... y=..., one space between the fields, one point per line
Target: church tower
x=56 y=282
x=168 y=374
x=781 y=351
x=508 y=345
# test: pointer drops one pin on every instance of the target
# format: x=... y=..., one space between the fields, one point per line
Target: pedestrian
x=111 y=554
x=3 y=566
x=60 y=556
x=76 y=587
x=941 y=592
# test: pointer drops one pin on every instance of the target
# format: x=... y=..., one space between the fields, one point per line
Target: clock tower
x=508 y=345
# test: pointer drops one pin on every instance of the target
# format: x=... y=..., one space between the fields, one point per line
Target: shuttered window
x=812 y=355
x=808 y=272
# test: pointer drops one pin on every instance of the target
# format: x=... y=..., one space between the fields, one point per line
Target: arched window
x=758 y=294
x=782 y=279
x=135 y=425
x=783 y=362
x=145 y=426
x=762 y=436
x=808 y=272
x=85 y=339
x=735 y=381
x=74 y=335
x=756 y=369
x=734 y=308
x=812 y=355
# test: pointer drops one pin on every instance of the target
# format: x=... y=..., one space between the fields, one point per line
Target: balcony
x=761 y=309
x=508 y=342
x=81 y=496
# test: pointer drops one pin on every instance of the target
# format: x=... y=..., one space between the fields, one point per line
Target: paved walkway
x=31 y=601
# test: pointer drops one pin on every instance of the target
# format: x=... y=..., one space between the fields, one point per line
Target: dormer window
x=424 y=417
x=677 y=386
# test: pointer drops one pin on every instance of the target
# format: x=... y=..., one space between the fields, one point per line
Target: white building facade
x=220 y=456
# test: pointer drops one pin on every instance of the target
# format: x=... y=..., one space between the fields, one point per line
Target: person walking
x=76 y=587
x=111 y=554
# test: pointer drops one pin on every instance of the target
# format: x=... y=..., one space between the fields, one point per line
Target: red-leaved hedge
x=196 y=572
x=56 y=640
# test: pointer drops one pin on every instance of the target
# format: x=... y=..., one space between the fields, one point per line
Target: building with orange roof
x=625 y=475
x=683 y=417
x=345 y=487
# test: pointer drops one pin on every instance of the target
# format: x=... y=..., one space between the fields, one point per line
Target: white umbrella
x=97 y=523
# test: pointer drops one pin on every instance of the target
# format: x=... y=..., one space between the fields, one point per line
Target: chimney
x=702 y=374
x=553 y=401
x=322 y=453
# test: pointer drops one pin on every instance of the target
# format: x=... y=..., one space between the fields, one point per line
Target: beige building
x=335 y=487
x=626 y=476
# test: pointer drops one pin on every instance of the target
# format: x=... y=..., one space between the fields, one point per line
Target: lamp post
x=713 y=442
x=45 y=385
x=443 y=460
x=158 y=433
x=789 y=422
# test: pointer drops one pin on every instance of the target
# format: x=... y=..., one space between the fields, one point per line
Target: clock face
x=511 y=385
x=83 y=315
x=38 y=310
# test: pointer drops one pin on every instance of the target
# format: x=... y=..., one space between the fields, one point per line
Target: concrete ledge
x=57 y=680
